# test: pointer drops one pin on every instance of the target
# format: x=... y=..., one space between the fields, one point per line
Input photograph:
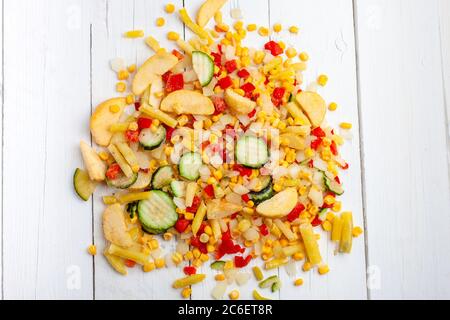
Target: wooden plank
x=114 y=18
x=326 y=33
x=253 y=12
x=1 y=155
x=406 y=171
x=444 y=20
x=47 y=228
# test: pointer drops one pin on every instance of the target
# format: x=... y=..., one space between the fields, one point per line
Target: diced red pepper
x=274 y=48
x=263 y=230
x=144 y=123
x=243 y=73
x=252 y=113
x=241 y=262
x=245 y=198
x=345 y=166
x=230 y=66
x=234 y=215
x=217 y=58
x=209 y=190
x=113 y=171
x=227 y=246
x=169 y=132
x=177 y=54
x=276 y=102
x=182 y=224
x=316 y=143
x=132 y=135
x=225 y=82
x=278 y=92
x=195 y=204
x=189 y=270
x=337 y=179
x=316 y=222
x=137 y=105
x=130 y=263
x=166 y=76
x=295 y=213
x=333 y=148
x=243 y=171
x=205 y=144
x=195 y=242
x=219 y=104
x=219 y=47
x=248 y=87
x=318 y=132
x=175 y=82
x=311 y=163
x=226 y=235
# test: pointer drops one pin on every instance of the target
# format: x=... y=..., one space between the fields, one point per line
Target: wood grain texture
x=444 y=20
x=1 y=154
x=331 y=49
x=403 y=129
x=46 y=227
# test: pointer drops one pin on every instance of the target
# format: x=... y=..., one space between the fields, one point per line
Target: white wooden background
x=389 y=68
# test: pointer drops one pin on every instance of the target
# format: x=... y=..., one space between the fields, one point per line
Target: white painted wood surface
x=56 y=69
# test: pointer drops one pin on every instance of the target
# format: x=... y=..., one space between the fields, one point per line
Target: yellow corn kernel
x=277 y=187
x=103 y=155
x=149 y=266
x=263 y=31
x=134 y=34
x=211 y=180
x=204 y=238
x=245 y=61
x=337 y=206
x=243 y=225
x=324 y=269
x=218 y=174
x=204 y=257
x=173 y=36
x=189 y=216
x=154 y=244
x=251 y=27
x=234 y=295
x=304 y=56
x=322 y=80
x=152 y=43
x=224 y=27
x=186 y=292
x=346 y=125
x=332 y=106
x=309 y=153
x=307 y=266
x=160 y=22
x=291 y=52
x=131 y=68
x=277 y=27
x=293 y=29
x=123 y=75
x=238 y=25
x=250 y=203
x=129 y=99
x=133 y=126
x=121 y=87
x=298 y=256
x=189 y=255
x=219 y=277
x=298 y=282
x=196 y=253
x=329 y=199
x=92 y=249
x=257 y=273
x=167 y=236
x=247 y=210
x=326 y=226
x=177 y=258
x=357 y=231
x=197 y=263
x=135 y=168
x=160 y=263
x=170 y=8
x=330 y=216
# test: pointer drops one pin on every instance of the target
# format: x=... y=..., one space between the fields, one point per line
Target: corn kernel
x=154 y=244
x=92 y=249
x=234 y=295
x=277 y=27
x=186 y=292
x=210 y=248
x=263 y=31
x=204 y=257
x=307 y=266
x=329 y=199
x=134 y=34
x=250 y=203
x=293 y=29
x=251 y=27
x=121 y=87
x=189 y=255
x=218 y=17
x=346 y=125
x=160 y=263
x=196 y=253
x=103 y=155
x=219 y=277
x=173 y=36
x=243 y=225
x=277 y=187
x=326 y=226
x=298 y=282
x=324 y=269
x=322 y=80
x=123 y=75
x=304 y=56
x=357 y=231
x=211 y=180
x=189 y=216
x=332 y=106
x=197 y=263
x=131 y=68
x=167 y=236
x=298 y=256
x=218 y=174
x=291 y=52
x=337 y=206
x=170 y=8
x=133 y=126
x=129 y=99
x=204 y=238
x=238 y=25
x=135 y=168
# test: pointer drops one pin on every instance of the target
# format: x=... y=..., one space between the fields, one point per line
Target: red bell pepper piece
x=166 y=76
x=241 y=262
x=295 y=213
x=263 y=230
x=337 y=179
x=230 y=66
x=274 y=48
x=195 y=204
x=189 y=270
x=316 y=222
x=132 y=135
x=278 y=93
x=248 y=87
x=252 y=113
x=195 y=242
x=245 y=198
x=243 y=171
x=177 y=54
x=318 y=132
x=169 y=132
x=113 y=171
x=175 y=82
x=130 y=263
x=217 y=58
x=316 y=143
x=311 y=163
x=182 y=224
x=144 y=123
x=333 y=148
x=209 y=190
x=243 y=73
x=225 y=82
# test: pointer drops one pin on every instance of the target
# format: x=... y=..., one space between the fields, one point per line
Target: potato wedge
x=187 y=102
x=114 y=226
x=292 y=141
x=297 y=113
x=154 y=67
x=103 y=118
x=207 y=11
x=217 y=209
x=313 y=105
x=238 y=103
x=95 y=167
x=156 y=88
x=279 y=205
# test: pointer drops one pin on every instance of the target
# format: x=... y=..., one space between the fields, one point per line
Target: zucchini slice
x=217 y=265
x=263 y=195
x=143 y=181
x=333 y=186
x=122 y=181
x=189 y=165
x=178 y=188
x=132 y=208
x=157 y=213
x=203 y=67
x=251 y=152
x=84 y=186
x=151 y=140
x=162 y=177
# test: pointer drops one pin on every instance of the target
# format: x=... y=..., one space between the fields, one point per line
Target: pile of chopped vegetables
x=218 y=146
